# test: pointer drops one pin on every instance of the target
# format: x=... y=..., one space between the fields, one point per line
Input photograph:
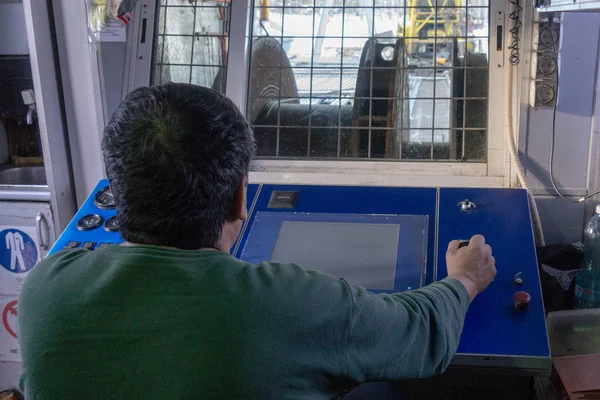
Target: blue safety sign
x=18 y=251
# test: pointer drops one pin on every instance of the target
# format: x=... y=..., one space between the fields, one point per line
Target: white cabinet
x=26 y=234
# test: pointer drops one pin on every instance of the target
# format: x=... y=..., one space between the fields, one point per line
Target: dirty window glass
x=192 y=42
x=370 y=79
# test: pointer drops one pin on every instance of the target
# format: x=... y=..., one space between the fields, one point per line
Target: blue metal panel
x=492 y=326
x=99 y=235
x=251 y=193
x=357 y=200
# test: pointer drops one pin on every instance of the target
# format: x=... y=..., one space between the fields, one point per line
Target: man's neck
x=130 y=244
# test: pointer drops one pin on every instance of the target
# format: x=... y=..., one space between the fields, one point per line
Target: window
x=191 y=42
x=390 y=80
x=332 y=85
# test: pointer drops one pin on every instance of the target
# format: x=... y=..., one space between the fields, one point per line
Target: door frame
x=40 y=35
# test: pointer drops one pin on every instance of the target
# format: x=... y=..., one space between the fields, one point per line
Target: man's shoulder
x=61 y=258
x=63 y=255
x=54 y=263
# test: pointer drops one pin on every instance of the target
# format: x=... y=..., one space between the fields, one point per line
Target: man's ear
x=239 y=210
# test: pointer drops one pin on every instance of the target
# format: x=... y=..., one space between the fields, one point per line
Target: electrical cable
x=515 y=56
x=512 y=147
x=553 y=140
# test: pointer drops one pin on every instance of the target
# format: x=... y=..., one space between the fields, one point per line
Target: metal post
x=324 y=20
x=238 y=63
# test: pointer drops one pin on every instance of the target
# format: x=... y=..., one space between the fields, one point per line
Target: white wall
x=574 y=165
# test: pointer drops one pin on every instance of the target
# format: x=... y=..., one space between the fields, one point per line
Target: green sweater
x=154 y=323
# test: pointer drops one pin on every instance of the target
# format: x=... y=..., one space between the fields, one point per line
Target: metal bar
x=43 y=194
x=318 y=44
x=191 y=35
x=264 y=10
x=356 y=67
x=209 y=34
x=443 y=179
x=464 y=110
x=435 y=30
x=195 y=11
x=193 y=65
x=312 y=60
x=405 y=81
x=238 y=52
x=436 y=239
x=277 y=144
x=365 y=7
x=368 y=166
x=370 y=16
x=326 y=96
x=224 y=41
x=190 y=5
x=339 y=127
x=164 y=43
x=375 y=128
x=372 y=31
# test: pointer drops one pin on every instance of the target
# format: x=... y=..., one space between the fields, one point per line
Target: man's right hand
x=473 y=265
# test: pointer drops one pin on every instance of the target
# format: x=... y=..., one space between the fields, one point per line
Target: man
x=171 y=315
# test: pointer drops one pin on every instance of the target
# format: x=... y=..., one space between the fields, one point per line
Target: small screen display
x=365 y=254
x=380 y=252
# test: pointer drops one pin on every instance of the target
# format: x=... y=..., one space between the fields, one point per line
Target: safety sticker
x=19 y=253
x=9 y=345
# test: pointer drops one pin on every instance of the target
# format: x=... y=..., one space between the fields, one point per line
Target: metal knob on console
x=518 y=279
x=467 y=205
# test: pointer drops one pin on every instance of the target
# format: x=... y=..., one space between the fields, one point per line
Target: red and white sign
x=9 y=345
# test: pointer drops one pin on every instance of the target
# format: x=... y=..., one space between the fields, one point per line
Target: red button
x=521 y=300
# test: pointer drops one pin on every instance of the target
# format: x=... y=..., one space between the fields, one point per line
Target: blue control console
x=96 y=225
x=387 y=240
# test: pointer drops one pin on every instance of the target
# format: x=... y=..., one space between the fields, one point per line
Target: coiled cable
x=515 y=56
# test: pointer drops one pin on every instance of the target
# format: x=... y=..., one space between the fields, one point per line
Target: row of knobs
x=104 y=200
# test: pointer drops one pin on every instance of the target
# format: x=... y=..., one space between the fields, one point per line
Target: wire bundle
x=514 y=48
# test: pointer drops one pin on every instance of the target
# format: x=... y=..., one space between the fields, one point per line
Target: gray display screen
x=365 y=254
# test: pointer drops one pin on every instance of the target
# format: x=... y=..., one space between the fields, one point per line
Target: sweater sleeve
x=404 y=335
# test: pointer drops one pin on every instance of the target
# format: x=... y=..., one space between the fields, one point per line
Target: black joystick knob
x=464 y=243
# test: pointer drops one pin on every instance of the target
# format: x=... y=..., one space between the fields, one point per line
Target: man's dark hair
x=175 y=155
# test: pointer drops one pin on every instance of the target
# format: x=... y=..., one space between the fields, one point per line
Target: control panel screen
x=363 y=253
x=383 y=253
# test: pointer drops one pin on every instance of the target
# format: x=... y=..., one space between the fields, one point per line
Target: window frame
x=495 y=172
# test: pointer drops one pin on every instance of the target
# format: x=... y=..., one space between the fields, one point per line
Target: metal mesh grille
x=421 y=92
x=191 y=42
